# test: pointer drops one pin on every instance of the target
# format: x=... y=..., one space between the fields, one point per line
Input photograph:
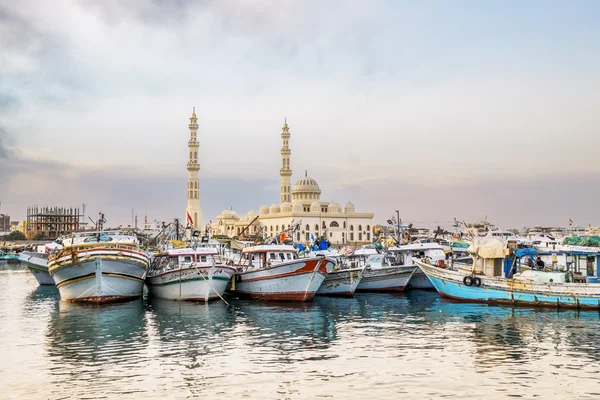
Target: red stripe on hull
x=282 y=296
x=103 y=299
x=382 y=290
x=308 y=268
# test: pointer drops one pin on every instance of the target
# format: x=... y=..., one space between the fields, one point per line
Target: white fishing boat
x=404 y=255
x=37 y=262
x=379 y=275
x=99 y=267
x=340 y=281
x=189 y=274
x=275 y=272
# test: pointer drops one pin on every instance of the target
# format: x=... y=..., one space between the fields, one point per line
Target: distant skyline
x=438 y=109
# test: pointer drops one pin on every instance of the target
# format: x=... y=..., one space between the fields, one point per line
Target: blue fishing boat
x=503 y=275
x=9 y=258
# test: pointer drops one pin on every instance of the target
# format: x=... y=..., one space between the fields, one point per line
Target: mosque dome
x=306 y=189
x=228 y=214
x=298 y=206
x=264 y=209
x=315 y=206
x=349 y=208
x=274 y=209
x=334 y=207
x=286 y=207
x=251 y=214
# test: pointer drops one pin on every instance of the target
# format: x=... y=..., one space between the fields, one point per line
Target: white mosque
x=301 y=206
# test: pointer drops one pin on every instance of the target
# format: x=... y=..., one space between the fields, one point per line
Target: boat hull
x=341 y=283
x=514 y=292
x=420 y=281
x=297 y=280
x=386 y=279
x=37 y=263
x=100 y=276
x=191 y=284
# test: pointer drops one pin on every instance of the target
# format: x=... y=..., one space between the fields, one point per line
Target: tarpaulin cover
x=590 y=241
x=463 y=245
x=525 y=252
x=488 y=248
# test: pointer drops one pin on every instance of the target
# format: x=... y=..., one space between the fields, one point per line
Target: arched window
x=360 y=228
x=360 y=236
x=368 y=236
x=298 y=236
x=368 y=228
x=307 y=228
x=195 y=155
x=316 y=227
x=276 y=228
x=196 y=184
x=351 y=228
x=190 y=156
x=344 y=224
x=334 y=224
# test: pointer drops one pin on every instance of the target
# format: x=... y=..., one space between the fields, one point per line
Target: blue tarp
x=525 y=252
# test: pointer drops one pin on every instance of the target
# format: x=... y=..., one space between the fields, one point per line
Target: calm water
x=375 y=346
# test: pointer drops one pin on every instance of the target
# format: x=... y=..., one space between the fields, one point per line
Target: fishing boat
x=379 y=274
x=404 y=255
x=99 y=267
x=341 y=280
x=189 y=274
x=496 y=277
x=37 y=261
x=275 y=272
x=9 y=258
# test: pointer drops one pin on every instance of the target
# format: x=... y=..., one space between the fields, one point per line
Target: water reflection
x=386 y=345
x=88 y=343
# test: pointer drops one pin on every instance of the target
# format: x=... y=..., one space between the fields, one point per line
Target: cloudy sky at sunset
x=439 y=109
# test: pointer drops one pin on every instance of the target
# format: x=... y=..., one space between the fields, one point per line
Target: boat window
x=272 y=256
x=289 y=256
x=187 y=259
x=282 y=256
x=203 y=259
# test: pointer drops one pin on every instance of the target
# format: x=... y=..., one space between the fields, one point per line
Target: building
x=301 y=207
x=14 y=226
x=4 y=223
x=193 y=210
x=52 y=221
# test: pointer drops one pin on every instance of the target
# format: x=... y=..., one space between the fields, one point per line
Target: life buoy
x=468 y=281
x=476 y=281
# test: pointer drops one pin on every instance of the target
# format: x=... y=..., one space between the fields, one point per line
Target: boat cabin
x=257 y=257
x=186 y=258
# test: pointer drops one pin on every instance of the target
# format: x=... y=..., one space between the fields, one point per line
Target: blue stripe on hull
x=460 y=291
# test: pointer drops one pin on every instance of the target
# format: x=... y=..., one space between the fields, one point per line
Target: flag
x=570 y=222
x=189 y=218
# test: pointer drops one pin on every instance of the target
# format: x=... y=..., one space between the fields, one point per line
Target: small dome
x=315 y=206
x=251 y=214
x=297 y=206
x=274 y=209
x=334 y=207
x=286 y=207
x=264 y=209
x=349 y=207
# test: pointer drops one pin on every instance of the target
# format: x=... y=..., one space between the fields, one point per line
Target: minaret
x=285 y=172
x=193 y=203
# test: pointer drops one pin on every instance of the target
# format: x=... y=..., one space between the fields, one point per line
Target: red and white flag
x=189 y=218
x=570 y=222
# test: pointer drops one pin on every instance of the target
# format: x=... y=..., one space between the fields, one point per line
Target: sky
x=438 y=109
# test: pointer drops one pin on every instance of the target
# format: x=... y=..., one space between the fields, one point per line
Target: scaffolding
x=52 y=221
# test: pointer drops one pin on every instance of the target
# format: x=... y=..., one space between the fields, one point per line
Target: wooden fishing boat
x=189 y=274
x=495 y=278
x=275 y=272
x=99 y=267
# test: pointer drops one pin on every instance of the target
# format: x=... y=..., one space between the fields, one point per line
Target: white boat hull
x=37 y=263
x=194 y=284
x=100 y=275
x=296 y=280
x=385 y=279
x=341 y=282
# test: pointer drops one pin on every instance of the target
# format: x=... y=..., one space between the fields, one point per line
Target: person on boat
x=539 y=263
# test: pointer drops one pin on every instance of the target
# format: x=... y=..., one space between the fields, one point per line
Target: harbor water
x=370 y=346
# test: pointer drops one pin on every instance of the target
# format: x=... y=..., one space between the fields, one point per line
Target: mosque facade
x=301 y=207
